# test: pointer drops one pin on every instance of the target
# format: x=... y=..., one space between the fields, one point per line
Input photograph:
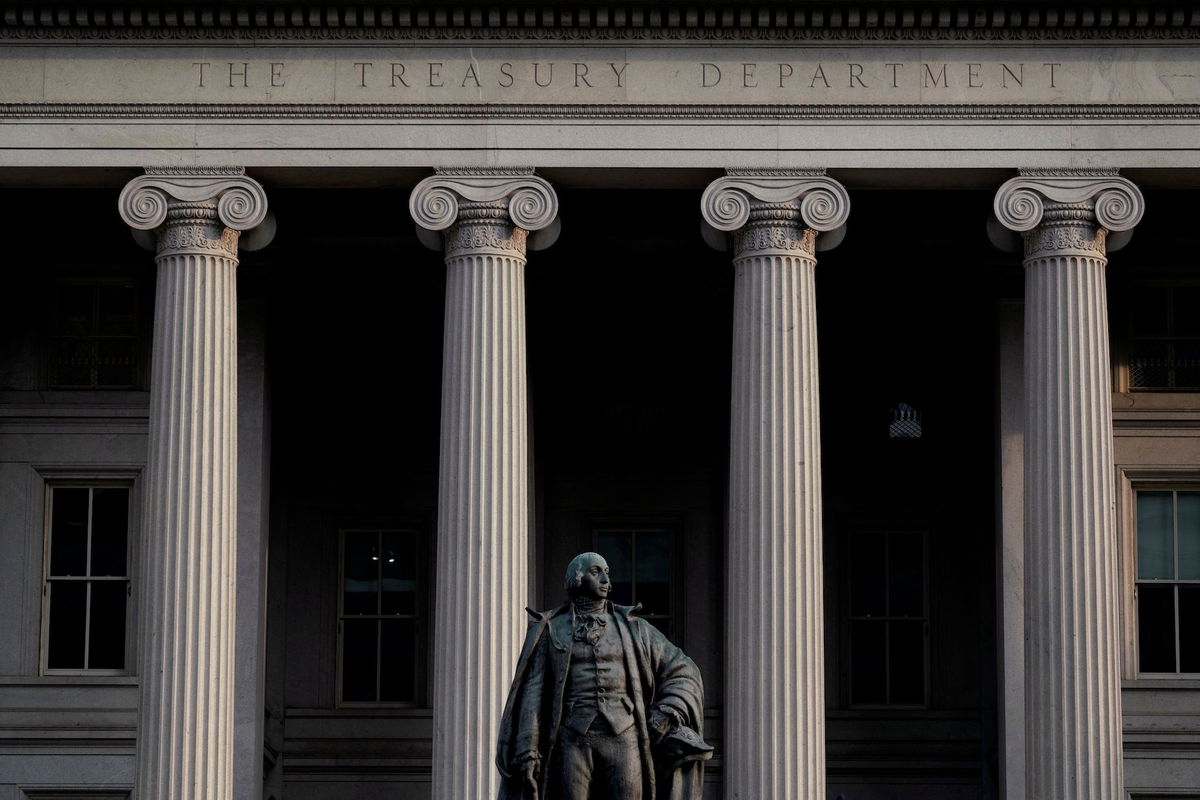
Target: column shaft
x=483 y=542
x=185 y=722
x=188 y=561
x=774 y=738
x=1072 y=677
x=483 y=508
x=774 y=705
x=1073 y=699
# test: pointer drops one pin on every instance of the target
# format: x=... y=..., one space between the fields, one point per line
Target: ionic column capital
x=1062 y=212
x=195 y=210
x=485 y=210
x=777 y=211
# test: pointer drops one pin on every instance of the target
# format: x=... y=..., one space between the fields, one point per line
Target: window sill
x=68 y=680
x=360 y=711
x=1161 y=683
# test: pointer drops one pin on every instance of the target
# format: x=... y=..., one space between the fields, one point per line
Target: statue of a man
x=602 y=705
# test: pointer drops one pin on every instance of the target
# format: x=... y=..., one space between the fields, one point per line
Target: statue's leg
x=573 y=765
x=621 y=764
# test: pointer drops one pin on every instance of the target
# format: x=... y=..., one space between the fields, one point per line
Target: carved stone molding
x=608 y=21
x=484 y=210
x=1068 y=212
x=200 y=210
x=680 y=111
x=776 y=211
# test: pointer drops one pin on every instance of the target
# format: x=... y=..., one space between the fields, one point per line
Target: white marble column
x=774 y=737
x=1072 y=668
x=483 y=510
x=187 y=565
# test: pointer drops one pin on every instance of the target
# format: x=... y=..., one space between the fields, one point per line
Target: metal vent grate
x=906 y=423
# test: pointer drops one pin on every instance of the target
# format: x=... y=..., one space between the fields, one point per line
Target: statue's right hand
x=529 y=775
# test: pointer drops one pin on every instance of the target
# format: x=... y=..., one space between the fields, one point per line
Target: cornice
x=698 y=21
x=587 y=111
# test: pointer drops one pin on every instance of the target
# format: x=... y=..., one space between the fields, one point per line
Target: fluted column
x=185 y=654
x=774 y=737
x=1073 y=697
x=483 y=514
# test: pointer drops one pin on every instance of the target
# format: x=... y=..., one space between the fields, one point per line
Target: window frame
x=671 y=526
x=1131 y=481
x=421 y=628
x=138 y=337
x=98 y=480
x=848 y=619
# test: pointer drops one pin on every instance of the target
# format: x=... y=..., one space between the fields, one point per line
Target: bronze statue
x=603 y=706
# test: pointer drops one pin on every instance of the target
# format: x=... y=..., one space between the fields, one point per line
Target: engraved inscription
x=889 y=75
x=645 y=74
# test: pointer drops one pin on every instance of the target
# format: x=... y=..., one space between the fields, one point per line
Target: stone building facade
x=861 y=339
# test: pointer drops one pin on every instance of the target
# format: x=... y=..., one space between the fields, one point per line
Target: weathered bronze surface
x=603 y=706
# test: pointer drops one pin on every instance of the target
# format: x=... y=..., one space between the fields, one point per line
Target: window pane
x=617 y=549
x=116 y=362
x=117 y=311
x=71 y=362
x=359 y=659
x=106 y=644
x=1154 y=534
x=360 y=562
x=868 y=661
x=1148 y=365
x=868 y=576
x=906 y=595
x=68 y=532
x=1156 y=628
x=654 y=572
x=399 y=573
x=75 y=310
x=1149 y=311
x=397 y=676
x=906 y=662
x=68 y=607
x=1188 y=504
x=110 y=529
x=1187 y=365
x=664 y=625
x=1189 y=628
x=1186 y=315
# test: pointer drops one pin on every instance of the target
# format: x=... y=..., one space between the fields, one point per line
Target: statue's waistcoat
x=596 y=696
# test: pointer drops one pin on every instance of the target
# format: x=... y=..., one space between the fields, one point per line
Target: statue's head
x=587 y=575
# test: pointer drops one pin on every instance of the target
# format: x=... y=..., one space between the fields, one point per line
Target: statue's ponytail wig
x=576 y=568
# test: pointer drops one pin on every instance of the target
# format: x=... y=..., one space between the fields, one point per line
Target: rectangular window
x=94 y=341
x=1164 y=338
x=641 y=562
x=380 y=627
x=889 y=619
x=87 y=588
x=1168 y=581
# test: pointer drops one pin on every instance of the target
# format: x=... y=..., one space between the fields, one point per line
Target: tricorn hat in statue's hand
x=683 y=744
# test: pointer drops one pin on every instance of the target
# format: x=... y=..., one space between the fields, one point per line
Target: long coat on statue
x=659 y=675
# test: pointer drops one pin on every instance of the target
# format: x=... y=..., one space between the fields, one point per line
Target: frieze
x=284 y=80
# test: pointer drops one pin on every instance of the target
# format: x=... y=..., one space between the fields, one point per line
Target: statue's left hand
x=660 y=724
